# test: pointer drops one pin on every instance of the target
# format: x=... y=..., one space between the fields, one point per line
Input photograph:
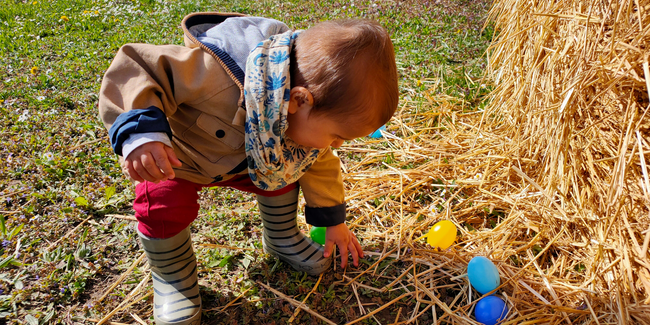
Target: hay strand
x=296 y=304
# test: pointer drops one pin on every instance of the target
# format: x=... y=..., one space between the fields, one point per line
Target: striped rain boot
x=176 y=288
x=282 y=237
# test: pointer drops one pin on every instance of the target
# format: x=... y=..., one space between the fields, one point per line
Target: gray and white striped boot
x=176 y=296
x=283 y=238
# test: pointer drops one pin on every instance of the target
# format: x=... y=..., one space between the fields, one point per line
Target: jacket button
x=220 y=134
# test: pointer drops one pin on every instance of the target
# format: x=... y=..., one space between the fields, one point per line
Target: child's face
x=320 y=130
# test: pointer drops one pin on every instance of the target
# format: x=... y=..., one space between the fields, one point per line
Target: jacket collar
x=197 y=23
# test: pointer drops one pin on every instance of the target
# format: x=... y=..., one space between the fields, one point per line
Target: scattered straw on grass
x=296 y=303
x=122 y=277
x=549 y=181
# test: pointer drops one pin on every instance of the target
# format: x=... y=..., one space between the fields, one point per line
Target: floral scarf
x=274 y=160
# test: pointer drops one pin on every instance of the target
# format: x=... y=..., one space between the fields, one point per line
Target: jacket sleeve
x=145 y=83
x=322 y=186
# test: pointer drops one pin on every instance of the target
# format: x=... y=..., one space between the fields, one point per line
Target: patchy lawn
x=65 y=208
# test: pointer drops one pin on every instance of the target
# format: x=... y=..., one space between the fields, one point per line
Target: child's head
x=347 y=68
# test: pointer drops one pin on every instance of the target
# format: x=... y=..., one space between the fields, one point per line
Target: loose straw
x=296 y=304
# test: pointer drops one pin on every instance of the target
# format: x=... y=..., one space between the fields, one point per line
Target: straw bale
x=550 y=180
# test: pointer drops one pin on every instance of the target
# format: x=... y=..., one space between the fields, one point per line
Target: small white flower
x=24 y=116
x=40 y=98
x=48 y=156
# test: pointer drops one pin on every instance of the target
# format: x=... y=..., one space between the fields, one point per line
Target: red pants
x=166 y=208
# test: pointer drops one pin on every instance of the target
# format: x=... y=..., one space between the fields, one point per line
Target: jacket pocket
x=213 y=138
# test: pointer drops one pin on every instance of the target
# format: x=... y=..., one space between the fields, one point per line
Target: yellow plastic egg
x=442 y=234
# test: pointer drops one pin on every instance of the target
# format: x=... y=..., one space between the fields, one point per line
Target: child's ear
x=300 y=98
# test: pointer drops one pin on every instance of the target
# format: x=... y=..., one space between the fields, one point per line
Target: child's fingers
x=163 y=163
x=130 y=171
x=344 y=255
x=354 y=252
x=147 y=168
x=172 y=157
x=357 y=246
x=142 y=172
x=329 y=247
x=151 y=164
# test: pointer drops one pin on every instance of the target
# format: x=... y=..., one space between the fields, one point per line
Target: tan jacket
x=203 y=103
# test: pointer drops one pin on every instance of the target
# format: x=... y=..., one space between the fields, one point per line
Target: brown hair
x=349 y=68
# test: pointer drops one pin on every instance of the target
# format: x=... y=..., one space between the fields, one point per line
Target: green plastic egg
x=317 y=234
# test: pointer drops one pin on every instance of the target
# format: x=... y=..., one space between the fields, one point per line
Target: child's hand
x=151 y=161
x=345 y=240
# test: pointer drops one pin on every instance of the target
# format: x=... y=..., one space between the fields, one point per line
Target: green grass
x=60 y=174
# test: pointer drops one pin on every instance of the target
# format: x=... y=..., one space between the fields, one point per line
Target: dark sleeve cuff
x=146 y=120
x=325 y=217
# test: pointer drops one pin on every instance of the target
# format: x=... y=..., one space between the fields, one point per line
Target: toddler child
x=252 y=105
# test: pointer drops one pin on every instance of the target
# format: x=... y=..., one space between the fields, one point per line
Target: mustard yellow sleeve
x=322 y=187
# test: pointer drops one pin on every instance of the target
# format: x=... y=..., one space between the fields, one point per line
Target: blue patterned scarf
x=274 y=160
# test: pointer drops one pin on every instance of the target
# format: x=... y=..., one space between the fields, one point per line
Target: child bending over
x=252 y=105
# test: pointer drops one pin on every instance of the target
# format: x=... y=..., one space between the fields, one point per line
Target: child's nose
x=337 y=143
